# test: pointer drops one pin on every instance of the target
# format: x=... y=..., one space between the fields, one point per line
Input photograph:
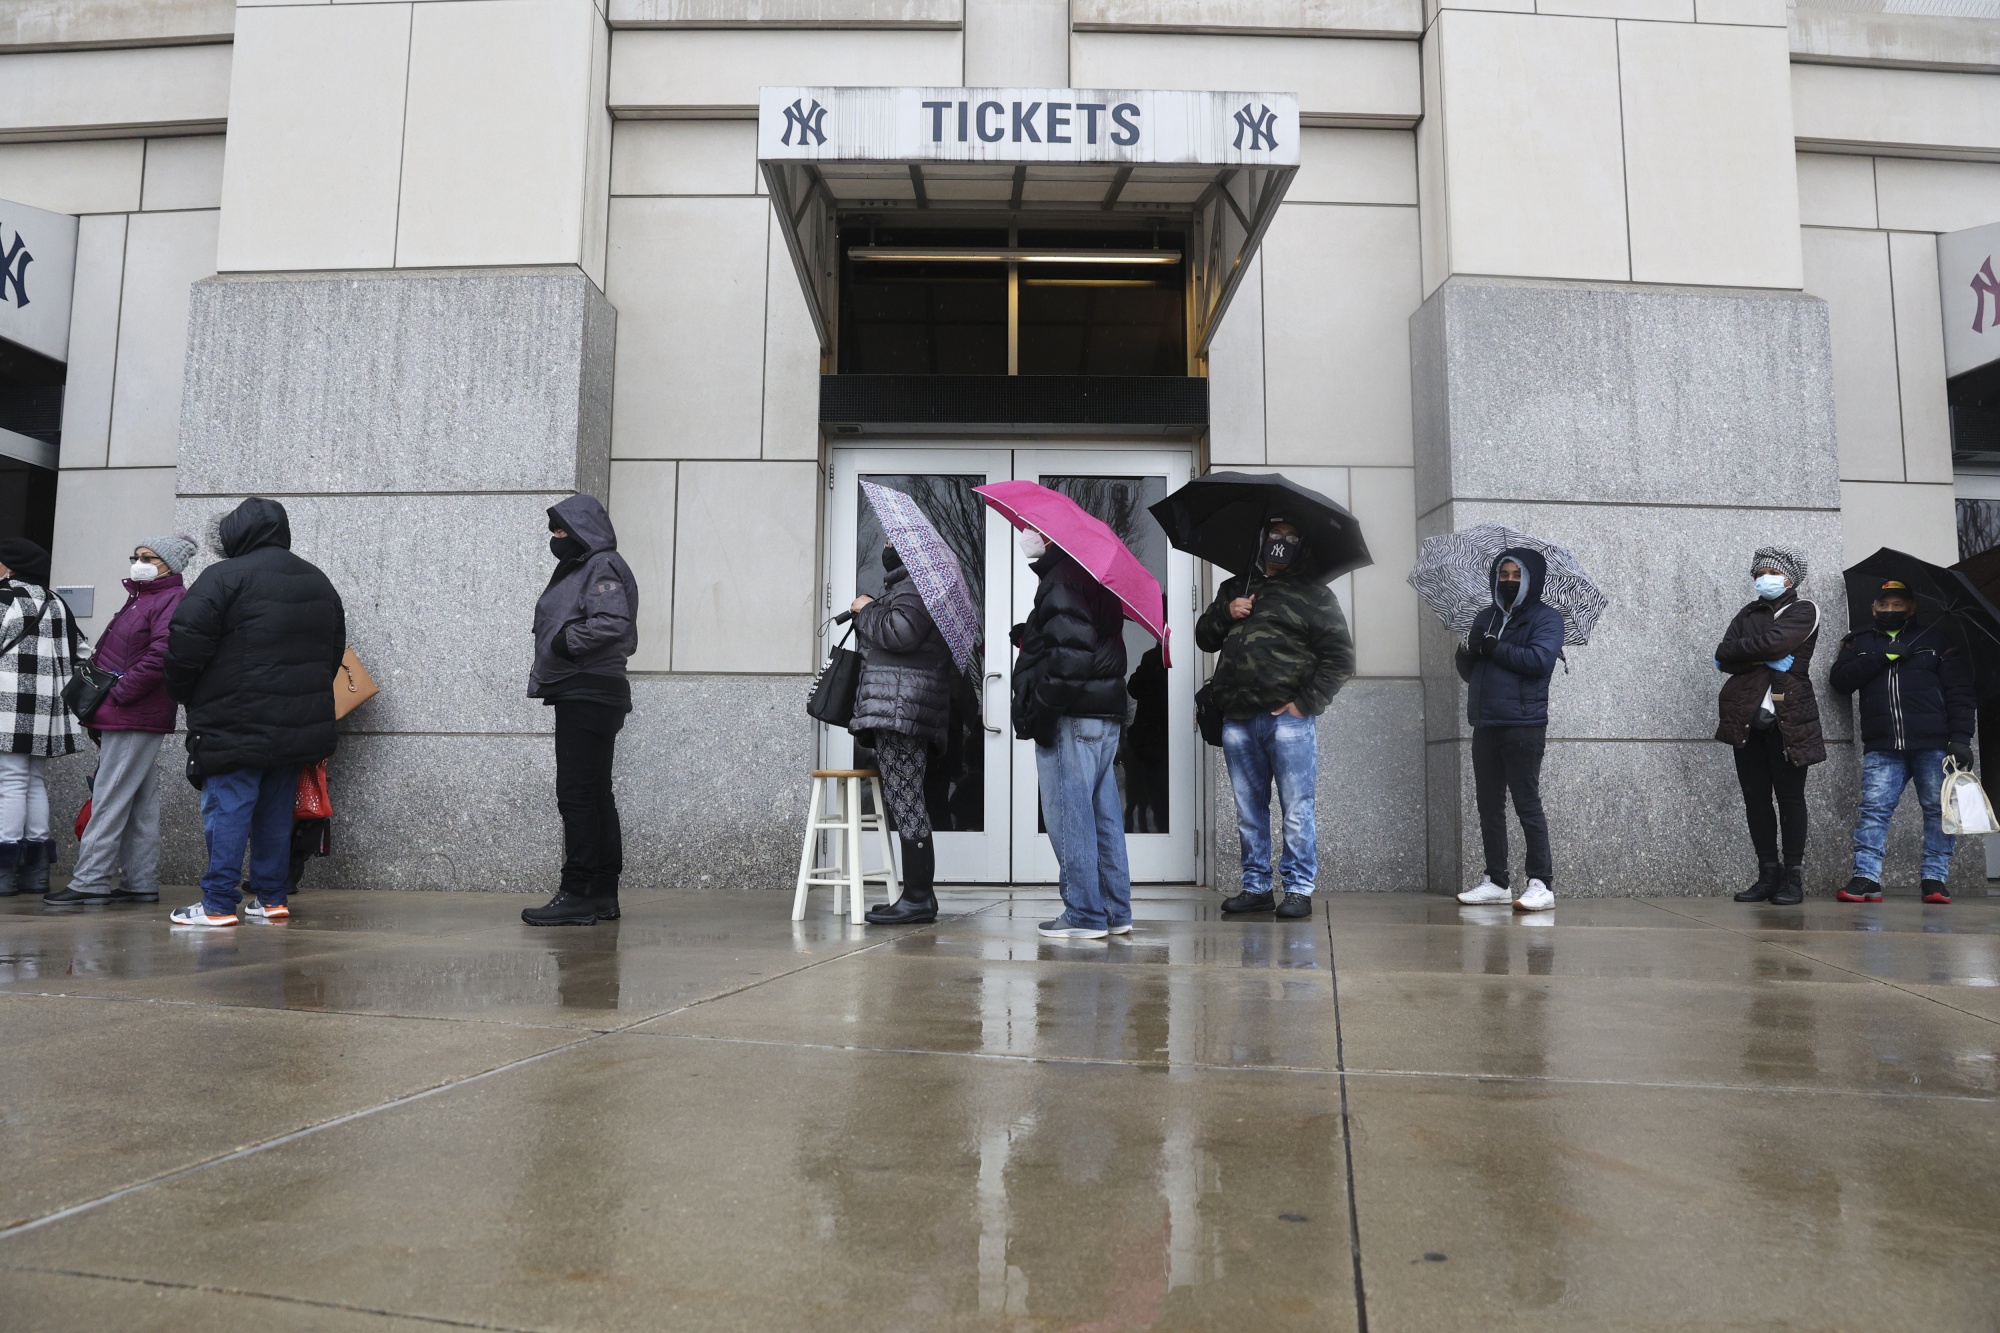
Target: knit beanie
x=176 y=550
x=1784 y=559
x=25 y=561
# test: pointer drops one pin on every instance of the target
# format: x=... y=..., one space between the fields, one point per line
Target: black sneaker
x=566 y=909
x=71 y=898
x=1295 y=906
x=122 y=895
x=1934 y=891
x=1249 y=902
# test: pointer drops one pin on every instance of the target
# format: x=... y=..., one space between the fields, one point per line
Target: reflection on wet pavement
x=1626 y=1113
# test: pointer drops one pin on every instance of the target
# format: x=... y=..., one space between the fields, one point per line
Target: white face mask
x=1033 y=544
x=142 y=570
x=1770 y=587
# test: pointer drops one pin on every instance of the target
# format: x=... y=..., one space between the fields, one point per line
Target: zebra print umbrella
x=1453 y=576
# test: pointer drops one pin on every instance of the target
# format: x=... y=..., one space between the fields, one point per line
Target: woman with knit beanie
x=37 y=655
x=1770 y=715
x=124 y=828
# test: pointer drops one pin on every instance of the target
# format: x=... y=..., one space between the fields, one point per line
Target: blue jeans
x=1285 y=749
x=1086 y=820
x=1883 y=775
x=250 y=807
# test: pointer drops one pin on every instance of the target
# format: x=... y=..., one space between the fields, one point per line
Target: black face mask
x=568 y=548
x=1510 y=592
x=891 y=562
x=1279 y=552
x=1891 y=621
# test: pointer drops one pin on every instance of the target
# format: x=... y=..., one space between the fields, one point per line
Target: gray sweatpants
x=124 y=816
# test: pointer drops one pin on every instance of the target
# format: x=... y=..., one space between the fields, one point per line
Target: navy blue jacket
x=1923 y=700
x=1509 y=679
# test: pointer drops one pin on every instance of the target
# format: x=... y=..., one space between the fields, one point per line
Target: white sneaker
x=1536 y=898
x=193 y=915
x=1485 y=891
x=1125 y=929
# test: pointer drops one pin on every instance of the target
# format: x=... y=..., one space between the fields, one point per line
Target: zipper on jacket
x=1896 y=702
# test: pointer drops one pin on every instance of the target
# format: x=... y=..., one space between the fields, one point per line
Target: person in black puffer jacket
x=252 y=651
x=1069 y=698
x=902 y=710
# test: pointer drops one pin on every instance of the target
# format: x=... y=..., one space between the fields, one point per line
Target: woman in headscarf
x=37 y=654
x=903 y=710
x=1769 y=714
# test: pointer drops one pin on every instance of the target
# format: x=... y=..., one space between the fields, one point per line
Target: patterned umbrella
x=1453 y=577
x=933 y=568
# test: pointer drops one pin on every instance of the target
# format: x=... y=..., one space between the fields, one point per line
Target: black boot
x=37 y=859
x=1249 y=902
x=1296 y=905
x=605 y=898
x=565 y=909
x=10 y=866
x=1768 y=875
x=918 y=905
x=1791 y=889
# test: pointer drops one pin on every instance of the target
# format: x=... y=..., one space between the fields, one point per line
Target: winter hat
x=176 y=550
x=25 y=561
x=1784 y=559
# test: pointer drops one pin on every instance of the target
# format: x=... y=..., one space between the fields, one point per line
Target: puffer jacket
x=1293 y=647
x=1923 y=700
x=586 y=618
x=1509 y=682
x=1072 y=651
x=254 y=647
x=134 y=645
x=906 y=666
x=1769 y=632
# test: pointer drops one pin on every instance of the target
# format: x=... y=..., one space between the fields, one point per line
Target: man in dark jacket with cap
x=1507 y=660
x=1917 y=706
x=252 y=651
x=585 y=631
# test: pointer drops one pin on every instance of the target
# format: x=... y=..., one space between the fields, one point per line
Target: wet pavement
x=410 y=1111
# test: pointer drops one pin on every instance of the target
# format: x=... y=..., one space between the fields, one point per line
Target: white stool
x=847 y=822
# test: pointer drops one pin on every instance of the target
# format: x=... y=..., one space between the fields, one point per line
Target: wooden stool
x=847 y=822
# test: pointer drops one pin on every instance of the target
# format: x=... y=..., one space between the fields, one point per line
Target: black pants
x=593 y=843
x=1763 y=772
x=1509 y=760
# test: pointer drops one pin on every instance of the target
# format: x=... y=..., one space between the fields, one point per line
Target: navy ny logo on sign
x=810 y=123
x=1262 y=125
x=14 y=271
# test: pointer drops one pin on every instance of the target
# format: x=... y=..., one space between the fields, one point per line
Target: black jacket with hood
x=1509 y=678
x=906 y=666
x=1924 y=700
x=254 y=647
x=1072 y=651
x=586 y=621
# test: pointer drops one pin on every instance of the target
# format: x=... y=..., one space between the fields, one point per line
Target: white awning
x=1217 y=164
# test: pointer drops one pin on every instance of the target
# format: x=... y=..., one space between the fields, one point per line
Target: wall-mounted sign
x=1969 y=283
x=37 y=265
x=1026 y=125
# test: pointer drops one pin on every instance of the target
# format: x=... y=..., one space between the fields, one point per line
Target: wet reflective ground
x=409 y=1110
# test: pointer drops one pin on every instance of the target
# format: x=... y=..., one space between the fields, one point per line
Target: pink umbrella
x=1088 y=541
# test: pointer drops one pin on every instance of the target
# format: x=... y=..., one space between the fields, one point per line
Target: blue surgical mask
x=1770 y=587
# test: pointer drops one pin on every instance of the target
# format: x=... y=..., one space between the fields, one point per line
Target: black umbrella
x=1220 y=518
x=1941 y=594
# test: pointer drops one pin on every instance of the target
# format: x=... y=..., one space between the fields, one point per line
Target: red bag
x=313 y=801
x=83 y=818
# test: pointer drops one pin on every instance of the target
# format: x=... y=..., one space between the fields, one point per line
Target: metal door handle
x=992 y=677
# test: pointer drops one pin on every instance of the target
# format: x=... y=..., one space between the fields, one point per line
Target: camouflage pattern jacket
x=1293 y=647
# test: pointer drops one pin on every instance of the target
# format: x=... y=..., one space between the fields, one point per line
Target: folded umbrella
x=1947 y=595
x=933 y=567
x=1220 y=518
x=1454 y=571
x=1091 y=543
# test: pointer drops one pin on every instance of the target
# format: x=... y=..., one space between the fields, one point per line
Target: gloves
x=1481 y=643
x=1962 y=753
x=1718 y=663
x=1782 y=664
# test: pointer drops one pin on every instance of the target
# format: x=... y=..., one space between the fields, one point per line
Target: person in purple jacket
x=129 y=726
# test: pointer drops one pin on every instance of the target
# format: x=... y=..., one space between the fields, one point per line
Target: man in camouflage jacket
x=1284 y=653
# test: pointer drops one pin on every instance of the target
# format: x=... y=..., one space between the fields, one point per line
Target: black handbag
x=89 y=686
x=1208 y=714
x=835 y=687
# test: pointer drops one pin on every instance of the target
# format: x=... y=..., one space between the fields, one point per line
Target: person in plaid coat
x=36 y=659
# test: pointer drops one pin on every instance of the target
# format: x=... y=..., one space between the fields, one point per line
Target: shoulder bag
x=1208 y=714
x=838 y=683
x=352 y=686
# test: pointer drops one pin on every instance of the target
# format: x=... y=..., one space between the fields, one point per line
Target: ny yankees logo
x=810 y=123
x=1985 y=285
x=14 y=272
x=1262 y=125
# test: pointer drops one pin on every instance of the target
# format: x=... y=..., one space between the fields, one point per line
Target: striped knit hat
x=1784 y=559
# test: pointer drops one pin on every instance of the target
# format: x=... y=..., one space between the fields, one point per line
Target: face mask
x=1510 y=591
x=567 y=548
x=891 y=562
x=1770 y=587
x=1280 y=551
x=143 y=570
x=1033 y=544
x=1891 y=621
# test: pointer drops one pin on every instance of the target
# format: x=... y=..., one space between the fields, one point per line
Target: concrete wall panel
x=51 y=93
x=1017 y=43
x=1236 y=376
x=1915 y=195
x=787 y=13
x=1340 y=166
x=93 y=340
x=101 y=514
x=791 y=358
x=183 y=173
x=680 y=73
x=165 y=255
x=114 y=22
x=643 y=499
x=85 y=176
x=684 y=157
x=1913 y=274
x=1334 y=77
x=1385 y=607
x=1371 y=18
x=1836 y=190
x=746 y=551
x=1922 y=520
x=1844 y=106
x=1849 y=270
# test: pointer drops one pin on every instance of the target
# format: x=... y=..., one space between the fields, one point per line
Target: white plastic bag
x=1966 y=809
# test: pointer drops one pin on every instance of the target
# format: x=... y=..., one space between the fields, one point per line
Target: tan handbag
x=352 y=685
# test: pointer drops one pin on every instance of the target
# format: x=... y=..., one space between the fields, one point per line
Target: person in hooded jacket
x=586 y=628
x=903 y=711
x=129 y=725
x=1918 y=705
x=1284 y=653
x=1767 y=655
x=1069 y=698
x=252 y=651
x=38 y=645
x=1506 y=660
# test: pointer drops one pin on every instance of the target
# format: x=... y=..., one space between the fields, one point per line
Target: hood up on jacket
x=583 y=518
x=1534 y=569
x=255 y=523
